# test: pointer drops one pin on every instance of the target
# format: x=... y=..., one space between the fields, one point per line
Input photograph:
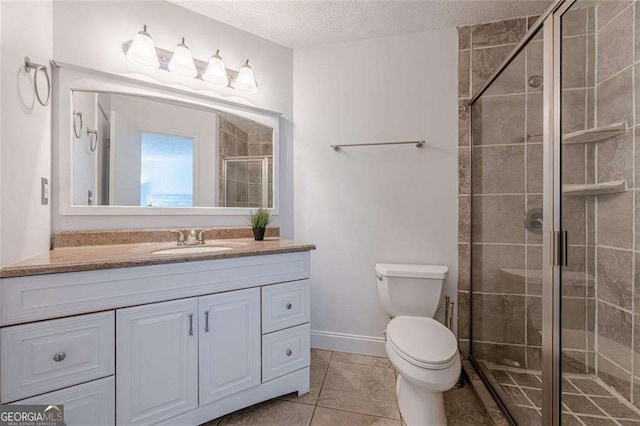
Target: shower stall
x=248 y=181
x=553 y=255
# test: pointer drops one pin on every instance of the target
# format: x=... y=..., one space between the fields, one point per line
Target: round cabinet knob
x=289 y=306
x=289 y=352
x=60 y=356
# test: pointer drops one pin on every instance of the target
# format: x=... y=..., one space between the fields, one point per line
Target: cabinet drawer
x=285 y=351
x=49 y=355
x=92 y=403
x=285 y=305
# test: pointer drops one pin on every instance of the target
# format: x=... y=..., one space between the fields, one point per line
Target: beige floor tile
x=350 y=390
x=361 y=359
x=358 y=388
x=330 y=417
x=272 y=412
x=319 y=365
x=463 y=408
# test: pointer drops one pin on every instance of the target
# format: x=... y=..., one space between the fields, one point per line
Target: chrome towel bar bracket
x=418 y=144
x=28 y=66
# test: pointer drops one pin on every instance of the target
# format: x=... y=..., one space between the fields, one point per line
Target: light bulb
x=216 y=72
x=182 y=62
x=142 y=50
x=246 y=81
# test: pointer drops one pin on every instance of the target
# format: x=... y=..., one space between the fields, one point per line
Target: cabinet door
x=156 y=361
x=229 y=343
x=90 y=403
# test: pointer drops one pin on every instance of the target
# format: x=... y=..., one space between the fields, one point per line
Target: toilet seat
x=423 y=342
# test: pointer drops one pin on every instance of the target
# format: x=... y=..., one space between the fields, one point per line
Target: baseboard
x=351 y=343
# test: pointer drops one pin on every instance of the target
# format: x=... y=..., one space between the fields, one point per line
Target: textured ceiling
x=304 y=23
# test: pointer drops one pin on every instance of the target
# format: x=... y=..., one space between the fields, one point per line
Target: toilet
x=423 y=351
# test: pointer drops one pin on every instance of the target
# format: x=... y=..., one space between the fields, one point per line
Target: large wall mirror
x=131 y=152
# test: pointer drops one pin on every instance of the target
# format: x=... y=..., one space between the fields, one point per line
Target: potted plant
x=259 y=221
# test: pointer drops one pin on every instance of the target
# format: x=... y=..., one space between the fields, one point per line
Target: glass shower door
x=599 y=363
x=248 y=181
x=506 y=231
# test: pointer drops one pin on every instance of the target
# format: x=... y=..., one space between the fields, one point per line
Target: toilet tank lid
x=412 y=271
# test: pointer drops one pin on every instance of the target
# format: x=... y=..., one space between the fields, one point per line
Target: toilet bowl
x=425 y=354
x=423 y=351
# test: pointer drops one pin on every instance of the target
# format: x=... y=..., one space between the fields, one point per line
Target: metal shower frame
x=553 y=237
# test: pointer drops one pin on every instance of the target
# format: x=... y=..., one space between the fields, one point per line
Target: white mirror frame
x=70 y=77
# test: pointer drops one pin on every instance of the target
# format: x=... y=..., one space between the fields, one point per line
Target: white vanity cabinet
x=90 y=403
x=157 y=353
x=229 y=343
x=207 y=339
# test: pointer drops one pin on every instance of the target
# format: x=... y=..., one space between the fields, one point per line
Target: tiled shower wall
x=506 y=158
x=243 y=178
x=616 y=33
x=601 y=327
x=232 y=142
x=499 y=301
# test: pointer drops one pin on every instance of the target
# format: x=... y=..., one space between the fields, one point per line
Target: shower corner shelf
x=595 y=135
x=595 y=188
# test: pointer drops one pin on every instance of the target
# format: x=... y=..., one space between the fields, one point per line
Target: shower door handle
x=560 y=248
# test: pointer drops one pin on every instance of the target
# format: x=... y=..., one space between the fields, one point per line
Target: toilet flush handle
x=379 y=276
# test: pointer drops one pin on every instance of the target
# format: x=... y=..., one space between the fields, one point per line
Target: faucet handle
x=180 y=238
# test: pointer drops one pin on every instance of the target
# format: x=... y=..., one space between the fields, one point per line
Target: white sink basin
x=193 y=250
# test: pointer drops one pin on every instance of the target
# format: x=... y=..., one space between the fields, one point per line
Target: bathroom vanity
x=130 y=327
x=126 y=334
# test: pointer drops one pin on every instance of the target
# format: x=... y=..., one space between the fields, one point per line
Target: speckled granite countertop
x=94 y=257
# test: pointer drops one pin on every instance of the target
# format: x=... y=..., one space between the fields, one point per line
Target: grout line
x=613 y=305
x=611 y=77
x=615 y=364
x=597 y=30
x=595 y=201
x=634 y=266
x=564 y=409
x=526 y=203
x=591 y=400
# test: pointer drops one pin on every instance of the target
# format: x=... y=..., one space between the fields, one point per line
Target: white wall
x=158 y=117
x=25 y=135
x=91 y=34
x=84 y=160
x=382 y=204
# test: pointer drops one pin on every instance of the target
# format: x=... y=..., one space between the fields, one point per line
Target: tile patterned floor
x=586 y=399
x=353 y=390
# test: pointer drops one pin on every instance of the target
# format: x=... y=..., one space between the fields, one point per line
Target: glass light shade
x=182 y=62
x=142 y=50
x=216 y=72
x=246 y=81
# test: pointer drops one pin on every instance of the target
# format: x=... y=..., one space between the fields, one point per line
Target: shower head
x=535 y=81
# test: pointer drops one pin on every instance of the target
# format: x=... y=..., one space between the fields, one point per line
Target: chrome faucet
x=191 y=239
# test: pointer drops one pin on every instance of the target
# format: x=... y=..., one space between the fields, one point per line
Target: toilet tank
x=414 y=290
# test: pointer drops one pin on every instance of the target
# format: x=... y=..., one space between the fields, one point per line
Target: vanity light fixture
x=142 y=51
x=182 y=61
x=216 y=72
x=246 y=81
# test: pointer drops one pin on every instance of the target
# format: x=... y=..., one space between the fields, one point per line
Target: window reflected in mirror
x=166 y=173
